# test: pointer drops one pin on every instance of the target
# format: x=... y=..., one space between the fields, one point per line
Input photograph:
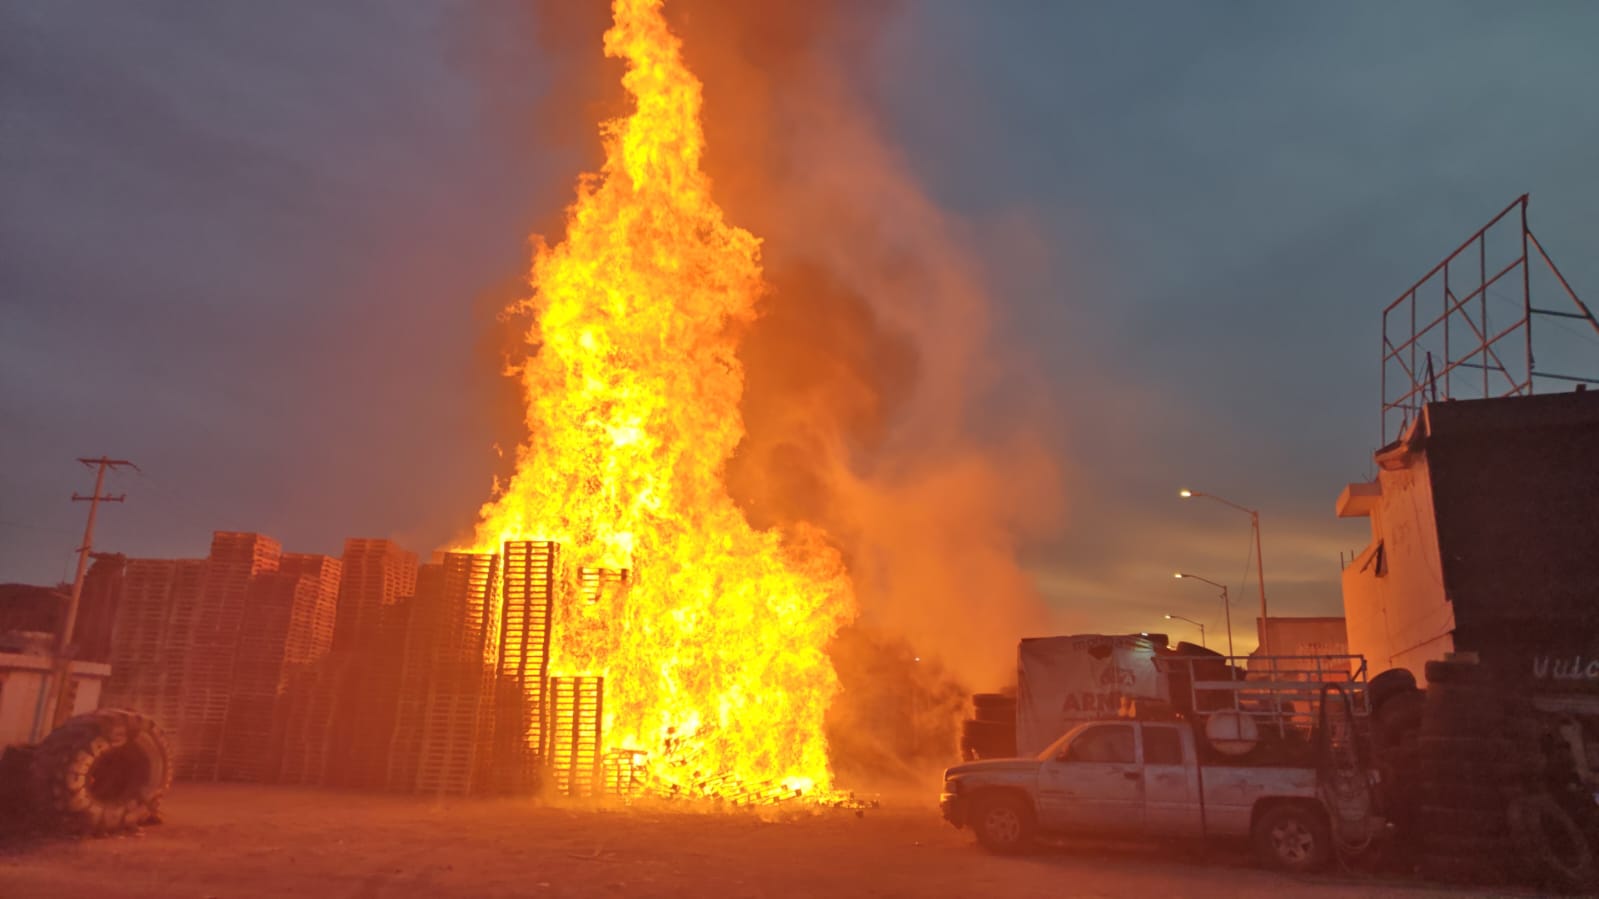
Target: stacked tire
x=1478 y=756
x=991 y=731
x=101 y=772
x=1396 y=712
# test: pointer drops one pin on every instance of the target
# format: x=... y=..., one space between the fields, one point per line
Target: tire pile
x=991 y=731
x=1396 y=711
x=1485 y=814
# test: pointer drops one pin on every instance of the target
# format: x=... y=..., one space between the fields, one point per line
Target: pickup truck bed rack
x=1282 y=694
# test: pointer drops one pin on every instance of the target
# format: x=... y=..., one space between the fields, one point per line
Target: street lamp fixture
x=1198 y=624
x=1226 y=605
x=1260 y=565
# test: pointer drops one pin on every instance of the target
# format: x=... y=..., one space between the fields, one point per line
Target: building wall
x=1304 y=636
x=1395 y=608
x=23 y=681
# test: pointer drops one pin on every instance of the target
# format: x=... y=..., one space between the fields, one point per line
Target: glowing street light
x=1226 y=604
x=1260 y=565
x=1198 y=624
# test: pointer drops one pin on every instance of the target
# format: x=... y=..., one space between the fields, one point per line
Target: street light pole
x=1260 y=564
x=1198 y=624
x=1226 y=605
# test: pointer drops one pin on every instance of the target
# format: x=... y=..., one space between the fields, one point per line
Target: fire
x=714 y=656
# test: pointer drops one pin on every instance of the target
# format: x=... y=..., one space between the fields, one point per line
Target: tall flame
x=714 y=658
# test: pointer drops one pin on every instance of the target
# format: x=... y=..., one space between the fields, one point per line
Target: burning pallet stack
x=532 y=579
x=576 y=714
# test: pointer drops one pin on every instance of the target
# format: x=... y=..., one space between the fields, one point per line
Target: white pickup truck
x=1127 y=778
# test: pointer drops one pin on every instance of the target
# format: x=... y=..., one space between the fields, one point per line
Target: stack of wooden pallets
x=288 y=625
x=532 y=580
x=443 y=736
x=235 y=560
x=576 y=712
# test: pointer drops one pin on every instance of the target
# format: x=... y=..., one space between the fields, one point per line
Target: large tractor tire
x=1390 y=683
x=101 y=772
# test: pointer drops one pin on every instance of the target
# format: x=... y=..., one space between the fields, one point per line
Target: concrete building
x=1484 y=538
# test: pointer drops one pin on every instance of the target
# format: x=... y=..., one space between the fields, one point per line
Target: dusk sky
x=259 y=250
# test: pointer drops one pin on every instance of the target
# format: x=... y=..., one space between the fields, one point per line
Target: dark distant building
x=25 y=608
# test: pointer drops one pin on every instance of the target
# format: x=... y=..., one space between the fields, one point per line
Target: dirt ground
x=232 y=841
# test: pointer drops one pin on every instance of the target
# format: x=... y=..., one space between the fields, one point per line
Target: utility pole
x=58 y=688
x=1260 y=579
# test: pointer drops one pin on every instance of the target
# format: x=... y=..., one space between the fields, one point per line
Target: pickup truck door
x=1095 y=783
x=1171 y=800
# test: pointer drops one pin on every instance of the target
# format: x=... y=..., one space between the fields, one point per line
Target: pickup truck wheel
x=1293 y=838
x=1003 y=823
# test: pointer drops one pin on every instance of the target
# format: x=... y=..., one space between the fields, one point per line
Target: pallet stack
x=531 y=582
x=235 y=560
x=139 y=643
x=313 y=701
x=379 y=578
x=377 y=574
x=150 y=640
x=411 y=687
x=443 y=742
x=311 y=627
x=287 y=626
x=373 y=700
x=576 y=712
x=186 y=599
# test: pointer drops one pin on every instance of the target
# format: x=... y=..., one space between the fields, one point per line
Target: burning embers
x=711 y=645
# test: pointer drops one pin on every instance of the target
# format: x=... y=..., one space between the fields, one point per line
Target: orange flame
x=714 y=658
